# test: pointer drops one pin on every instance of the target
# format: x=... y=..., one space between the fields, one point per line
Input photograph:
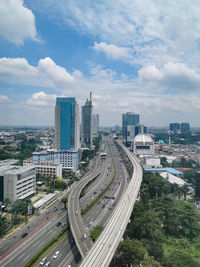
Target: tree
x=150 y=262
x=64 y=201
x=131 y=252
x=3 y=225
x=94 y=233
x=179 y=258
x=145 y=226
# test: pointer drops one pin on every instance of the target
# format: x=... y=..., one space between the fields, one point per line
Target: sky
x=139 y=56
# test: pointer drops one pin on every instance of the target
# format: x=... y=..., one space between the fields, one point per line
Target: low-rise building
x=68 y=159
x=45 y=168
x=143 y=145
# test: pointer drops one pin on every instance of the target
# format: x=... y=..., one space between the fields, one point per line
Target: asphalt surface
x=41 y=229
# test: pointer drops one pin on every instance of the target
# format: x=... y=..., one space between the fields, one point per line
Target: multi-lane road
x=102 y=253
x=41 y=229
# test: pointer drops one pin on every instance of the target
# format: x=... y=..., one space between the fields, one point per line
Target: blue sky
x=138 y=56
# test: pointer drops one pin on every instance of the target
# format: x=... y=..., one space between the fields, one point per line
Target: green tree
x=180 y=258
x=64 y=201
x=3 y=225
x=150 y=262
x=94 y=233
x=131 y=252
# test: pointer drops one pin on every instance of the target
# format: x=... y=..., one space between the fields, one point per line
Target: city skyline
x=134 y=56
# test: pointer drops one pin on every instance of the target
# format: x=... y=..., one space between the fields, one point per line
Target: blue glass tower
x=129 y=119
x=66 y=124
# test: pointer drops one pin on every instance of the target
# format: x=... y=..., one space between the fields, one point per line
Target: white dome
x=144 y=139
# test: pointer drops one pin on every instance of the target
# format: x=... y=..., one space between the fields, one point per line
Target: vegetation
x=32 y=261
x=3 y=225
x=96 y=231
x=23 y=151
x=163 y=231
x=64 y=201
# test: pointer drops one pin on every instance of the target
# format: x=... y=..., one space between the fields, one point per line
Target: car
x=58 y=224
x=24 y=234
x=76 y=212
x=48 y=264
x=56 y=255
x=43 y=261
x=55 y=209
x=84 y=236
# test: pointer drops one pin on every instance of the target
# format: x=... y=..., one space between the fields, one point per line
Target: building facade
x=143 y=145
x=17 y=182
x=45 y=168
x=185 y=128
x=67 y=124
x=86 y=125
x=95 y=124
x=68 y=159
x=174 y=128
x=128 y=119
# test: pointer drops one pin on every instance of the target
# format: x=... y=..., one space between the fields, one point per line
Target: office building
x=140 y=129
x=47 y=168
x=68 y=159
x=17 y=182
x=67 y=124
x=87 y=123
x=174 y=128
x=128 y=119
x=185 y=128
x=95 y=124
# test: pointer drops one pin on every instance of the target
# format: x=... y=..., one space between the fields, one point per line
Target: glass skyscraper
x=129 y=119
x=67 y=124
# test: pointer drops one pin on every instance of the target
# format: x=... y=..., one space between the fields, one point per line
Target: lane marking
x=26 y=257
x=20 y=256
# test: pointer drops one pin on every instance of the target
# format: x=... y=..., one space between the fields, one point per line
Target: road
x=98 y=215
x=101 y=254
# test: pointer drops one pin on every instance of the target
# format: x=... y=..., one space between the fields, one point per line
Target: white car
x=43 y=261
x=55 y=256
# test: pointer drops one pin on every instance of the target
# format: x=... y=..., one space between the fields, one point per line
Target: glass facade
x=131 y=119
x=65 y=123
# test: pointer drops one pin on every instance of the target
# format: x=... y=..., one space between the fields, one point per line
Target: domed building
x=143 y=144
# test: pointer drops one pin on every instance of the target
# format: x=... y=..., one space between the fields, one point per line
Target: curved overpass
x=102 y=252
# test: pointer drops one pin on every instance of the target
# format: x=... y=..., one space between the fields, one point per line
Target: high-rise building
x=185 y=128
x=67 y=124
x=140 y=129
x=174 y=127
x=87 y=123
x=95 y=124
x=128 y=119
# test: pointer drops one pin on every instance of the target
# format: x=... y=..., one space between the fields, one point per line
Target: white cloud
x=4 y=99
x=174 y=76
x=17 y=22
x=155 y=32
x=47 y=73
x=42 y=99
x=114 y=51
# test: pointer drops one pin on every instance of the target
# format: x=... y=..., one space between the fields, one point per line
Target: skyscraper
x=129 y=118
x=95 y=124
x=185 y=128
x=87 y=123
x=67 y=124
x=174 y=127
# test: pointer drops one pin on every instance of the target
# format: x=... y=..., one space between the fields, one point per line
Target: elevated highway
x=102 y=252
